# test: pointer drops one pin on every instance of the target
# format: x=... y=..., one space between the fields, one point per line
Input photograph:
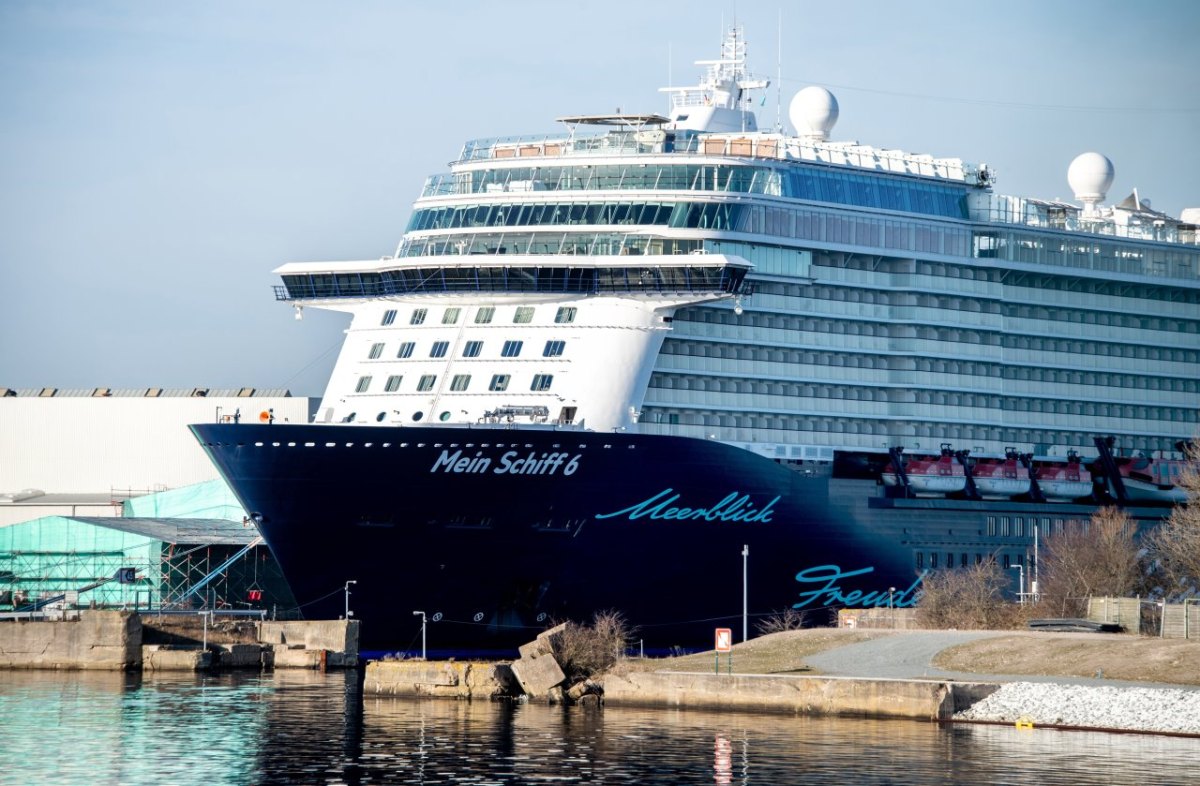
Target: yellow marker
x=1024 y=723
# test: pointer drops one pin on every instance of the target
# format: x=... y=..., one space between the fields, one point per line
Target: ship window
x=541 y=381
x=553 y=349
x=484 y=315
x=499 y=382
x=963 y=560
x=393 y=384
x=565 y=315
x=389 y=317
x=426 y=382
x=472 y=349
x=417 y=416
x=933 y=560
x=406 y=350
x=524 y=315
x=450 y=316
x=511 y=349
x=438 y=350
x=418 y=316
x=1007 y=562
x=376 y=351
x=460 y=382
x=379 y=419
x=920 y=560
x=363 y=384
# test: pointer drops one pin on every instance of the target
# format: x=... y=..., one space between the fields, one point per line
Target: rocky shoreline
x=1158 y=710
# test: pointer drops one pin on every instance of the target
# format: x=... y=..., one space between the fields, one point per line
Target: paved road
x=909 y=655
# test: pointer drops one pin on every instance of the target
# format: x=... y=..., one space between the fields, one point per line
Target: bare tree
x=1175 y=544
x=972 y=598
x=1100 y=557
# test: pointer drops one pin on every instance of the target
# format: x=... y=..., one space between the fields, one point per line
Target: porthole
x=379 y=418
x=444 y=416
x=417 y=416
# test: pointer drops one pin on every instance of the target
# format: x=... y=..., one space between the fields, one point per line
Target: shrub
x=584 y=650
x=971 y=598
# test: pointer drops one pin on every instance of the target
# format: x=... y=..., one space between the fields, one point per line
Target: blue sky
x=158 y=160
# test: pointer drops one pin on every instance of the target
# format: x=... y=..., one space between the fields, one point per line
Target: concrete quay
x=128 y=641
x=875 y=698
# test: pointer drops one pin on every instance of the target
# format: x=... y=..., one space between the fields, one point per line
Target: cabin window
x=920 y=560
x=553 y=349
x=363 y=384
x=460 y=382
x=376 y=351
x=438 y=350
x=418 y=316
x=450 y=316
x=426 y=382
x=484 y=315
x=541 y=382
x=406 y=350
x=472 y=349
x=523 y=316
x=565 y=315
x=389 y=317
x=393 y=384
x=511 y=349
x=499 y=382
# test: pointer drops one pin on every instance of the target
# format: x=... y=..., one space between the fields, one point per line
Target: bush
x=971 y=598
x=585 y=650
x=784 y=620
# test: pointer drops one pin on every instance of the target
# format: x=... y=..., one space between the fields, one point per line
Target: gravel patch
x=1141 y=709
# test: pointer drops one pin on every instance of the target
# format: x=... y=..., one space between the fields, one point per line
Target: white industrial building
x=84 y=452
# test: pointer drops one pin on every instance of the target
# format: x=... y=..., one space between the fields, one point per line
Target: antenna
x=779 y=75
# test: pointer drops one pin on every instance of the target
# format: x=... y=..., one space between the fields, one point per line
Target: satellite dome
x=813 y=112
x=1089 y=176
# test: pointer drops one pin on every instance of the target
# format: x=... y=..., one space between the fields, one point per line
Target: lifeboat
x=1153 y=480
x=1063 y=482
x=928 y=476
x=1000 y=478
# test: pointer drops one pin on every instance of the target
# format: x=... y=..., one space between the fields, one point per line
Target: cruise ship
x=696 y=371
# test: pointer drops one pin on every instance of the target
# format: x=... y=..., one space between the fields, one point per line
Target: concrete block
x=161 y=658
x=538 y=674
x=452 y=679
x=97 y=640
x=240 y=656
x=297 y=658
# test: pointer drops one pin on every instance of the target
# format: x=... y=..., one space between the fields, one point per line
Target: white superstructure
x=600 y=280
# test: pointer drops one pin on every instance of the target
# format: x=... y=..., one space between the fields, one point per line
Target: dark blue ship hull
x=498 y=533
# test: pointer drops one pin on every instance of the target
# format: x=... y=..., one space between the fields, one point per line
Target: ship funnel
x=1090 y=176
x=813 y=112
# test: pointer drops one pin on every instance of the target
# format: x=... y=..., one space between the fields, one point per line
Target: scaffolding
x=139 y=563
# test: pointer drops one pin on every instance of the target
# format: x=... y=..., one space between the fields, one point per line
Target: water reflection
x=304 y=727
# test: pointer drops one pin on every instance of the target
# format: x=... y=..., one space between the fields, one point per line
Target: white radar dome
x=1090 y=176
x=813 y=112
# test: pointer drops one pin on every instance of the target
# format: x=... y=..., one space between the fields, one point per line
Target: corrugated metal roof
x=185 y=531
x=145 y=392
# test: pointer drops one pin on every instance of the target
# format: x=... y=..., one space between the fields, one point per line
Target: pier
x=130 y=641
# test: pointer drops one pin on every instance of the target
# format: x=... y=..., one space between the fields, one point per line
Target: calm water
x=290 y=727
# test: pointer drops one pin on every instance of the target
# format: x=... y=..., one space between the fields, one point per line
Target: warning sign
x=724 y=640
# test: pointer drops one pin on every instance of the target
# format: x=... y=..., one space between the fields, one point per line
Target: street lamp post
x=745 y=592
x=1020 y=582
x=348 y=583
x=422 y=632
